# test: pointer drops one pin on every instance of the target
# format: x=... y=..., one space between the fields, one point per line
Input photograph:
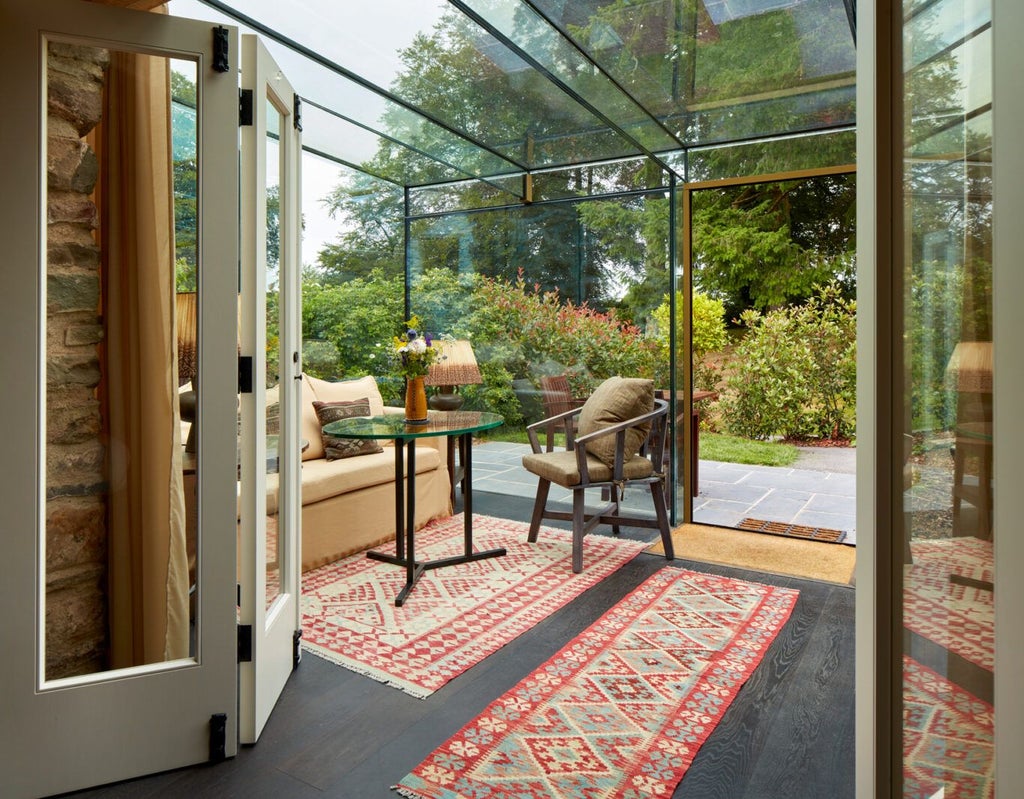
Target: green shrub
x=709 y=335
x=768 y=389
x=795 y=371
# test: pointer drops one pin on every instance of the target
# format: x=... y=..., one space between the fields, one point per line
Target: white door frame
x=61 y=735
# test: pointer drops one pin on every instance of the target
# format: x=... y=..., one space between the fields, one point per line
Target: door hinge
x=296 y=649
x=245 y=374
x=244 y=107
x=245 y=643
x=218 y=736
x=297 y=113
x=221 y=61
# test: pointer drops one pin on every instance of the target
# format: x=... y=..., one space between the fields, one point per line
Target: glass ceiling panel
x=431 y=56
x=384 y=158
x=315 y=81
x=678 y=59
x=491 y=88
x=535 y=36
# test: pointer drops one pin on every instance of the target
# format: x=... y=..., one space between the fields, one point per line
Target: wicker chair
x=616 y=455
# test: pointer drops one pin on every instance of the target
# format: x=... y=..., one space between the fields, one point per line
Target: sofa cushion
x=322 y=479
x=338 y=448
x=616 y=400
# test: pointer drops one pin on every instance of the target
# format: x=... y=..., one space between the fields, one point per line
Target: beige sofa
x=348 y=505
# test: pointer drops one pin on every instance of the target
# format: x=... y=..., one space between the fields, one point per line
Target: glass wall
x=948 y=436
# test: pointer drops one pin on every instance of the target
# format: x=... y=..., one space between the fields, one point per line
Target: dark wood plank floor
x=789 y=733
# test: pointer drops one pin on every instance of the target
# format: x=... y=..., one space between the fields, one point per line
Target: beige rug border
x=794 y=557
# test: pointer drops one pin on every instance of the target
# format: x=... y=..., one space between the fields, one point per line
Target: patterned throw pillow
x=338 y=448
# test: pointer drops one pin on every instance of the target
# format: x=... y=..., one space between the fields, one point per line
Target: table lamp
x=456 y=367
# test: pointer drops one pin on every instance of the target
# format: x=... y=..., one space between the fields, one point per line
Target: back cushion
x=348 y=390
x=616 y=400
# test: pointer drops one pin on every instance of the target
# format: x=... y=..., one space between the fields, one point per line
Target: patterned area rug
x=959 y=616
x=621 y=710
x=948 y=739
x=455 y=616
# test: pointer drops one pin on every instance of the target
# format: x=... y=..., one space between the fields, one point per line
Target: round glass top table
x=455 y=425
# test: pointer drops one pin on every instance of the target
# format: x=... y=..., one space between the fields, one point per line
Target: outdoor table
x=698 y=396
x=460 y=424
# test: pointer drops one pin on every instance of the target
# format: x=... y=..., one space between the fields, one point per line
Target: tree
x=767 y=245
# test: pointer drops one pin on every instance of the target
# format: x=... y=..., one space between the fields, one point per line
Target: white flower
x=417 y=346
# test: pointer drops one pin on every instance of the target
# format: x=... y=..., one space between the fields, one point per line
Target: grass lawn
x=730 y=449
x=713 y=447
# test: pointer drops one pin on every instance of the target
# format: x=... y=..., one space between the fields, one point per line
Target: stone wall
x=76 y=513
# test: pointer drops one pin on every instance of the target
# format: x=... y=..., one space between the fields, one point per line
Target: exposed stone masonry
x=76 y=513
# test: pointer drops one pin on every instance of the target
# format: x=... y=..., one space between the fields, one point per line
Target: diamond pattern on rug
x=622 y=709
x=793 y=530
x=956 y=616
x=458 y=615
x=948 y=737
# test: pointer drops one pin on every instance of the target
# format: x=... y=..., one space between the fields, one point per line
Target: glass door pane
x=121 y=359
x=273 y=362
x=948 y=437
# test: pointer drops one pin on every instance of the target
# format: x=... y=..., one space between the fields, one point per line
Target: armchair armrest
x=545 y=424
x=656 y=435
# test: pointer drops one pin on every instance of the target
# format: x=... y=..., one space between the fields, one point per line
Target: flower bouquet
x=413 y=354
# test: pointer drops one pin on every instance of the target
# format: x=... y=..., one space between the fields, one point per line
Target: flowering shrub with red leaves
x=533 y=333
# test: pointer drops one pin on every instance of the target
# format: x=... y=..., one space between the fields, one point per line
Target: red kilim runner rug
x=948 y=739
x=455 y=616
x=956 y=616
x=622 y=709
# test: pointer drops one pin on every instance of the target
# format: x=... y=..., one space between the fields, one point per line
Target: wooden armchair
x=556 y=394
x=609 y=453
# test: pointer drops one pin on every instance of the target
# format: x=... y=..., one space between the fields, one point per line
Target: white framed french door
x=118 y=642
x=269 y=556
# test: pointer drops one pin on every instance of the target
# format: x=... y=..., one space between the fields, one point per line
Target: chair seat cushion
x=616 y=400
x=561 y=468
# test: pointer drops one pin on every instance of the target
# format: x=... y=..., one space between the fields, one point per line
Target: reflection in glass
x=120 y=532
x=273 y=362
x=947 y=554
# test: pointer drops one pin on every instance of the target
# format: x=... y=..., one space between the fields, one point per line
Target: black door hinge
x=221 y=62
x=244 y=107
x=296 y=649
x=218 y=736
x=297 y=113
x=245 y=374
x=245 y=643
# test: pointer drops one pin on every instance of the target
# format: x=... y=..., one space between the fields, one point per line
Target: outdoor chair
x=618 y=441
x=556 y=394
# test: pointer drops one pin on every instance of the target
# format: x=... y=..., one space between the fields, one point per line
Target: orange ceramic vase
x=415 y=400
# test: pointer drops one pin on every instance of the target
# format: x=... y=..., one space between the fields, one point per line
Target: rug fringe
x=406 y=792
x=366 y=671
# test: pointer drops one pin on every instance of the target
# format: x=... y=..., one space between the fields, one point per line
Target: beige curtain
x=149 y=607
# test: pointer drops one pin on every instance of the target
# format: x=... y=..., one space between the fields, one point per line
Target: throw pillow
x=616 y=400
x=338 y=448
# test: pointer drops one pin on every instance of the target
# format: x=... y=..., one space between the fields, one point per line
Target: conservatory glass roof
x=426 y=91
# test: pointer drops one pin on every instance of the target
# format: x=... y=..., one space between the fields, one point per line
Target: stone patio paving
x=817 y=491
